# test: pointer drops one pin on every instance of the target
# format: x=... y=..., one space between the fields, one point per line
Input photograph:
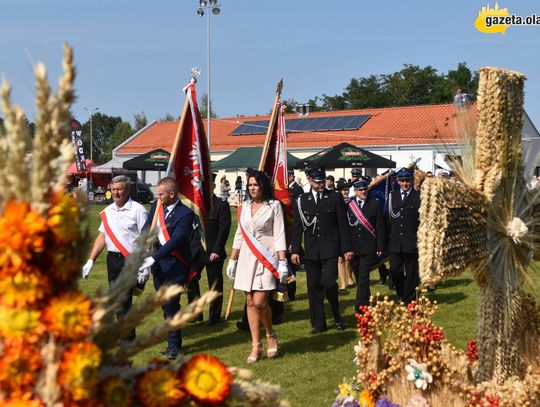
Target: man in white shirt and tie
x=122 y=222
x=403 y=208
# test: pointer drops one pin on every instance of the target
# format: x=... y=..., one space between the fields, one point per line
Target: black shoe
x=278 y=319
x=319 y=330
x=340 y=326
x=241 y=325
x=171 y=352
x=213 y=322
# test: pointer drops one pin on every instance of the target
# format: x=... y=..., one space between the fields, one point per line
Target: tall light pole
x=215 y=8
x=91 y=112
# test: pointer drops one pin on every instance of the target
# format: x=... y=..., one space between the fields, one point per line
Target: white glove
x=147 y=262
x=283 y=271
x=87 y=267
x=143 y=276
x=231 y=269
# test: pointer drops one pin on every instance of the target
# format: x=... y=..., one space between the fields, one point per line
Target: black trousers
x=170 y=308
x=321 y=281
x=215 y=279
x=215 y=276
x=404 y=272
x=115 y=264
x=361 y=266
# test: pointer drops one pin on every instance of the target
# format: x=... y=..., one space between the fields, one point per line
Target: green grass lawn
x=310 y=366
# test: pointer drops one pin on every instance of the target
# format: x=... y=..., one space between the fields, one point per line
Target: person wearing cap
x=368 y=238
x=330 y=183
x=356 y=173
x=321 y=222
x=403 y=207
x=294 y=188
x=344 y=267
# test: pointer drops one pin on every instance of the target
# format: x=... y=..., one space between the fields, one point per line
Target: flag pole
x=261 y=168
x=271 y=125
x=172 y=157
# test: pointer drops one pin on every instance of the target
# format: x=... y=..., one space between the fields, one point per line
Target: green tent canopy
x=246 y=157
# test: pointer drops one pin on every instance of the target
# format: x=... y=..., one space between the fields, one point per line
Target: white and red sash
x=117 y=240
x=164 y=236
x=358 y=214
x=258 y=250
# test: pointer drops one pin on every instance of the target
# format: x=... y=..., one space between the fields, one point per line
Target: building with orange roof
x=402 y=134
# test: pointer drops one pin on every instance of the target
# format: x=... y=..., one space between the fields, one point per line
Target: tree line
x=410 y=86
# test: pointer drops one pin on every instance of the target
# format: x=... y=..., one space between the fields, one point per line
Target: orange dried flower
x=64 y=217
x=366 y=399
x=69 y=316
x=159 y=388
x=19 y=364
x=22 y=400
x=116 y=393
x=206 y=379
x=78 y=373
x=22 y=232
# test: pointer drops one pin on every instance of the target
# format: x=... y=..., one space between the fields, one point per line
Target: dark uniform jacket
x=295 y=190
x=404 y=228
x=218 y=226
x=362 y=240
x=180 y=226
x=330 y=236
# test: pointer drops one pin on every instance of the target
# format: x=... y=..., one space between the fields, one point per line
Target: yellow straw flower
x=18 y=324
x=206 y=379
x=19 y=364
x=159 y=388
x=366 y=399
x=116 y=393
x=22 y=287
x=69 y=316
x=78 y=373
x=64 y=217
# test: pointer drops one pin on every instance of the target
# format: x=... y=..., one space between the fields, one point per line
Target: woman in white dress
x=258 y=259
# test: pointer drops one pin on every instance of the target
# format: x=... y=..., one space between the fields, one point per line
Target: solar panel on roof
x=305 y=124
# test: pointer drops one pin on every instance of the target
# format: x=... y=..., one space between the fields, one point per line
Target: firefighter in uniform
x=403 y=208
x=321 y=219
x=368 y=238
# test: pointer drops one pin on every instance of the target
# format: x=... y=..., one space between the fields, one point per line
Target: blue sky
x=135 y=56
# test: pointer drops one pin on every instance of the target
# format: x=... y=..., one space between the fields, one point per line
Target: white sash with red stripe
x=358 y=214
x=259 y=251
x=110 y=226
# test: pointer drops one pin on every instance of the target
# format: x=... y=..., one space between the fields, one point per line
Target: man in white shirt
x=122 y=222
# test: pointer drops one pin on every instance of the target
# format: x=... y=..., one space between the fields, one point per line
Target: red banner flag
x=192 y=160
x=274 y=162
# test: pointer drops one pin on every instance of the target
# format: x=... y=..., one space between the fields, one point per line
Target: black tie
x=403 y=195
x=318 y=198
x=360 y=203
x=165 y=212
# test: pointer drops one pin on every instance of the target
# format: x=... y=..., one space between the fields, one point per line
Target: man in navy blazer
x=171 y=258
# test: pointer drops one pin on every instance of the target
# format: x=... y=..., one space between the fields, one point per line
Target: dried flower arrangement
x=57 y=346
x=490 y=225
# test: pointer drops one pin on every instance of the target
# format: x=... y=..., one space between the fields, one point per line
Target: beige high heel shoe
x=258 y=348
x=272 y=353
